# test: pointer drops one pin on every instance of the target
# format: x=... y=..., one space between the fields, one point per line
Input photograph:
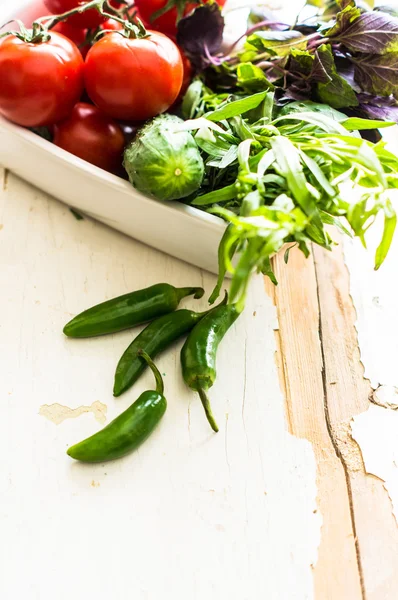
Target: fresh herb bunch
x=280 y=175
x=346 y=56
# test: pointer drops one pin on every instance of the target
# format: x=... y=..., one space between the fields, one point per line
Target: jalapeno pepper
x=156 y=337
x=198 y=354
x=128 y=430
x=128 y=310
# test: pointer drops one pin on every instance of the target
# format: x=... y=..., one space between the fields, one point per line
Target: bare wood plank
x=347 y=395
x=336 y=573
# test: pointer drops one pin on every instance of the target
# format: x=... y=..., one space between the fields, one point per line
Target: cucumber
x=163 y=162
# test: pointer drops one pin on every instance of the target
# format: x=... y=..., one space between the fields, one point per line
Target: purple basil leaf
x=200 y=34
x=297 y=91
x=308 y=66
x=372 y=32
x=336 y=92
x=377 y=74
x=306 y=28
x=384 y=108
x=346 y=69
x=301 y=62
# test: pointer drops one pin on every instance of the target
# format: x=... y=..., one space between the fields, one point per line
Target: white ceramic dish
x=179 y=230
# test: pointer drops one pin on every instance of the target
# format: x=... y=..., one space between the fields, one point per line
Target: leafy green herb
x=237 y=107
x=291 y=176
x=252 y=79
x=277 y=43
x=336 y=92
x=335 y=58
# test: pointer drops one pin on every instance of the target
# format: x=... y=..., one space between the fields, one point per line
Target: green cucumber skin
x=163 y=162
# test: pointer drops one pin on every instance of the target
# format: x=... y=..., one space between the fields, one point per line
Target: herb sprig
x=281 y=175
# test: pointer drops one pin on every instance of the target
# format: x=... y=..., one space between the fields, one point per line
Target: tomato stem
x=133 y=27
x=180 y=5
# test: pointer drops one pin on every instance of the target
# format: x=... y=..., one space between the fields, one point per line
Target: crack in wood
x=376 y=533
x=301 y=362
x=335 y=443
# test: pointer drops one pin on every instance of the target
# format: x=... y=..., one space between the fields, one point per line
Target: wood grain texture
x=336 y=574
x=348 y=393
x=323 y=379
x=190 y=514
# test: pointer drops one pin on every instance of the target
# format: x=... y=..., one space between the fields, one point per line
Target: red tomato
x=133 y=79
x=40 y=83
x=78 y=36
x=112 y=24
x=167 y=23
x=91 y=19
x=92 y=136
x=188 y=74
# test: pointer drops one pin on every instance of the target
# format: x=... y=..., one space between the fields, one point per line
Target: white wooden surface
x=277 y=505
x=296 y=498
x=189 y=515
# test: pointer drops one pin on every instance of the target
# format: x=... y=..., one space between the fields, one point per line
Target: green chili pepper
x=128 y=430
x=129 y=310
x=155 y=338
x=198 y=355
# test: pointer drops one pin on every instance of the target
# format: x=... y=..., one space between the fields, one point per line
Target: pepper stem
x=155 y=371
x=206 y=405
x=222 y=303
x=188 y=291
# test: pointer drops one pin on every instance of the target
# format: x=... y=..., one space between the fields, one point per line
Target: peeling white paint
x=57 y=413
x=376 y=432
x=386 y=396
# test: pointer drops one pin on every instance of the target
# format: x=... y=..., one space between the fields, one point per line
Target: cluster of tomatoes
x=83 y=91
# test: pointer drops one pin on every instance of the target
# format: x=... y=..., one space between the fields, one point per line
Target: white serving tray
x=179 y=230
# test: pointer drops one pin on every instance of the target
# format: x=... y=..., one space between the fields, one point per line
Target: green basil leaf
x=337 y=92
x=320 y=120
x=335 y=221
x=252 y=79
x=226 y=160
x=318 y=174
x=278 y=43
x=355 y=123
x=237 y=107
x=390 y=223
x=224 y=195
x=267 y=270
x=244 y=154
x=192 y=99
x=289 y=164
x=287 y=253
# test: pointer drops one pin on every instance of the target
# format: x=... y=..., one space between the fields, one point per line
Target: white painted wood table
x=294 y=499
